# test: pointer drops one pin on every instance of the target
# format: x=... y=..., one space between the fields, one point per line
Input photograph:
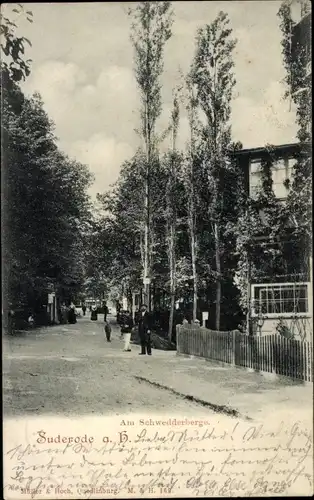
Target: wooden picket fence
x=271 y=353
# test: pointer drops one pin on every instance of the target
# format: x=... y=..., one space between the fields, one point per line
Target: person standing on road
x=144 y=330
x=126 y=330
x=72 y=314
x=84 y=309
x=94 y=315
x=63 y=314
x=107 y=329
x=30 y=320
x=11 y=318
x=106 y=311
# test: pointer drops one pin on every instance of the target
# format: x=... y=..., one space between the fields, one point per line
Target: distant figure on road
x=144 y=330
x=84 y=309
x=11 y=317
x=106 y=311
x=30 y=320
x=107 y=329
x=94 y=315
x=72 y=314
x=63 y=314
x=126 y=330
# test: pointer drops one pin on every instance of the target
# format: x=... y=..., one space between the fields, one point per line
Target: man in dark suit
x=144 y=330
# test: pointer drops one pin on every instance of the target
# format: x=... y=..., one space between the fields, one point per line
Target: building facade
x=281 y=296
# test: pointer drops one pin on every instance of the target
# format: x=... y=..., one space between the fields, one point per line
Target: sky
x=83 y=67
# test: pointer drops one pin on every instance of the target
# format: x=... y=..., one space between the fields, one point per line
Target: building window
x=282 y=172
x=280 y=299
x=255 y=177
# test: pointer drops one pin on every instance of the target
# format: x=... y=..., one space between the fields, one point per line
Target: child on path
x=107 y=328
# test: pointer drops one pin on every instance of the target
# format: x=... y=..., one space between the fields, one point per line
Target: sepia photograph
x=157 y=279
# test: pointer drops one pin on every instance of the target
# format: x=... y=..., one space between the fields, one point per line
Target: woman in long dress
x=94 y=313
x=72 y=314
x=63 y=314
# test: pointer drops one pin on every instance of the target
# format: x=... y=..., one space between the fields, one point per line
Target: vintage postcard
x=157 y=293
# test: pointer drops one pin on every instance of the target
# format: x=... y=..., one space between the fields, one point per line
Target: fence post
x=177 y=337
x=233 y=347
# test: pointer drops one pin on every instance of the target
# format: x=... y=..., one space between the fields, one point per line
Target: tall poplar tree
x=212 y=75
x=151 y=28
x=191 y=179
x=172 y=162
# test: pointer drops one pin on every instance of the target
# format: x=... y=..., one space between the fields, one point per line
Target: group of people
x=11 y=319
x=68 y=314
x=143 y=322
x=94 y=312
x=144 y=325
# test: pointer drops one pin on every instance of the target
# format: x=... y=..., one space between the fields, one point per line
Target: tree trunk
x=147 y=220
x=172 y=223
x=172 y=261
x=194 y=273
x=133 y=305
x=147 y=234
x=151 y=295
x=171 y=316
x=147 y=176
x=218 y=269
x=129 y=299
x=191 y=208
